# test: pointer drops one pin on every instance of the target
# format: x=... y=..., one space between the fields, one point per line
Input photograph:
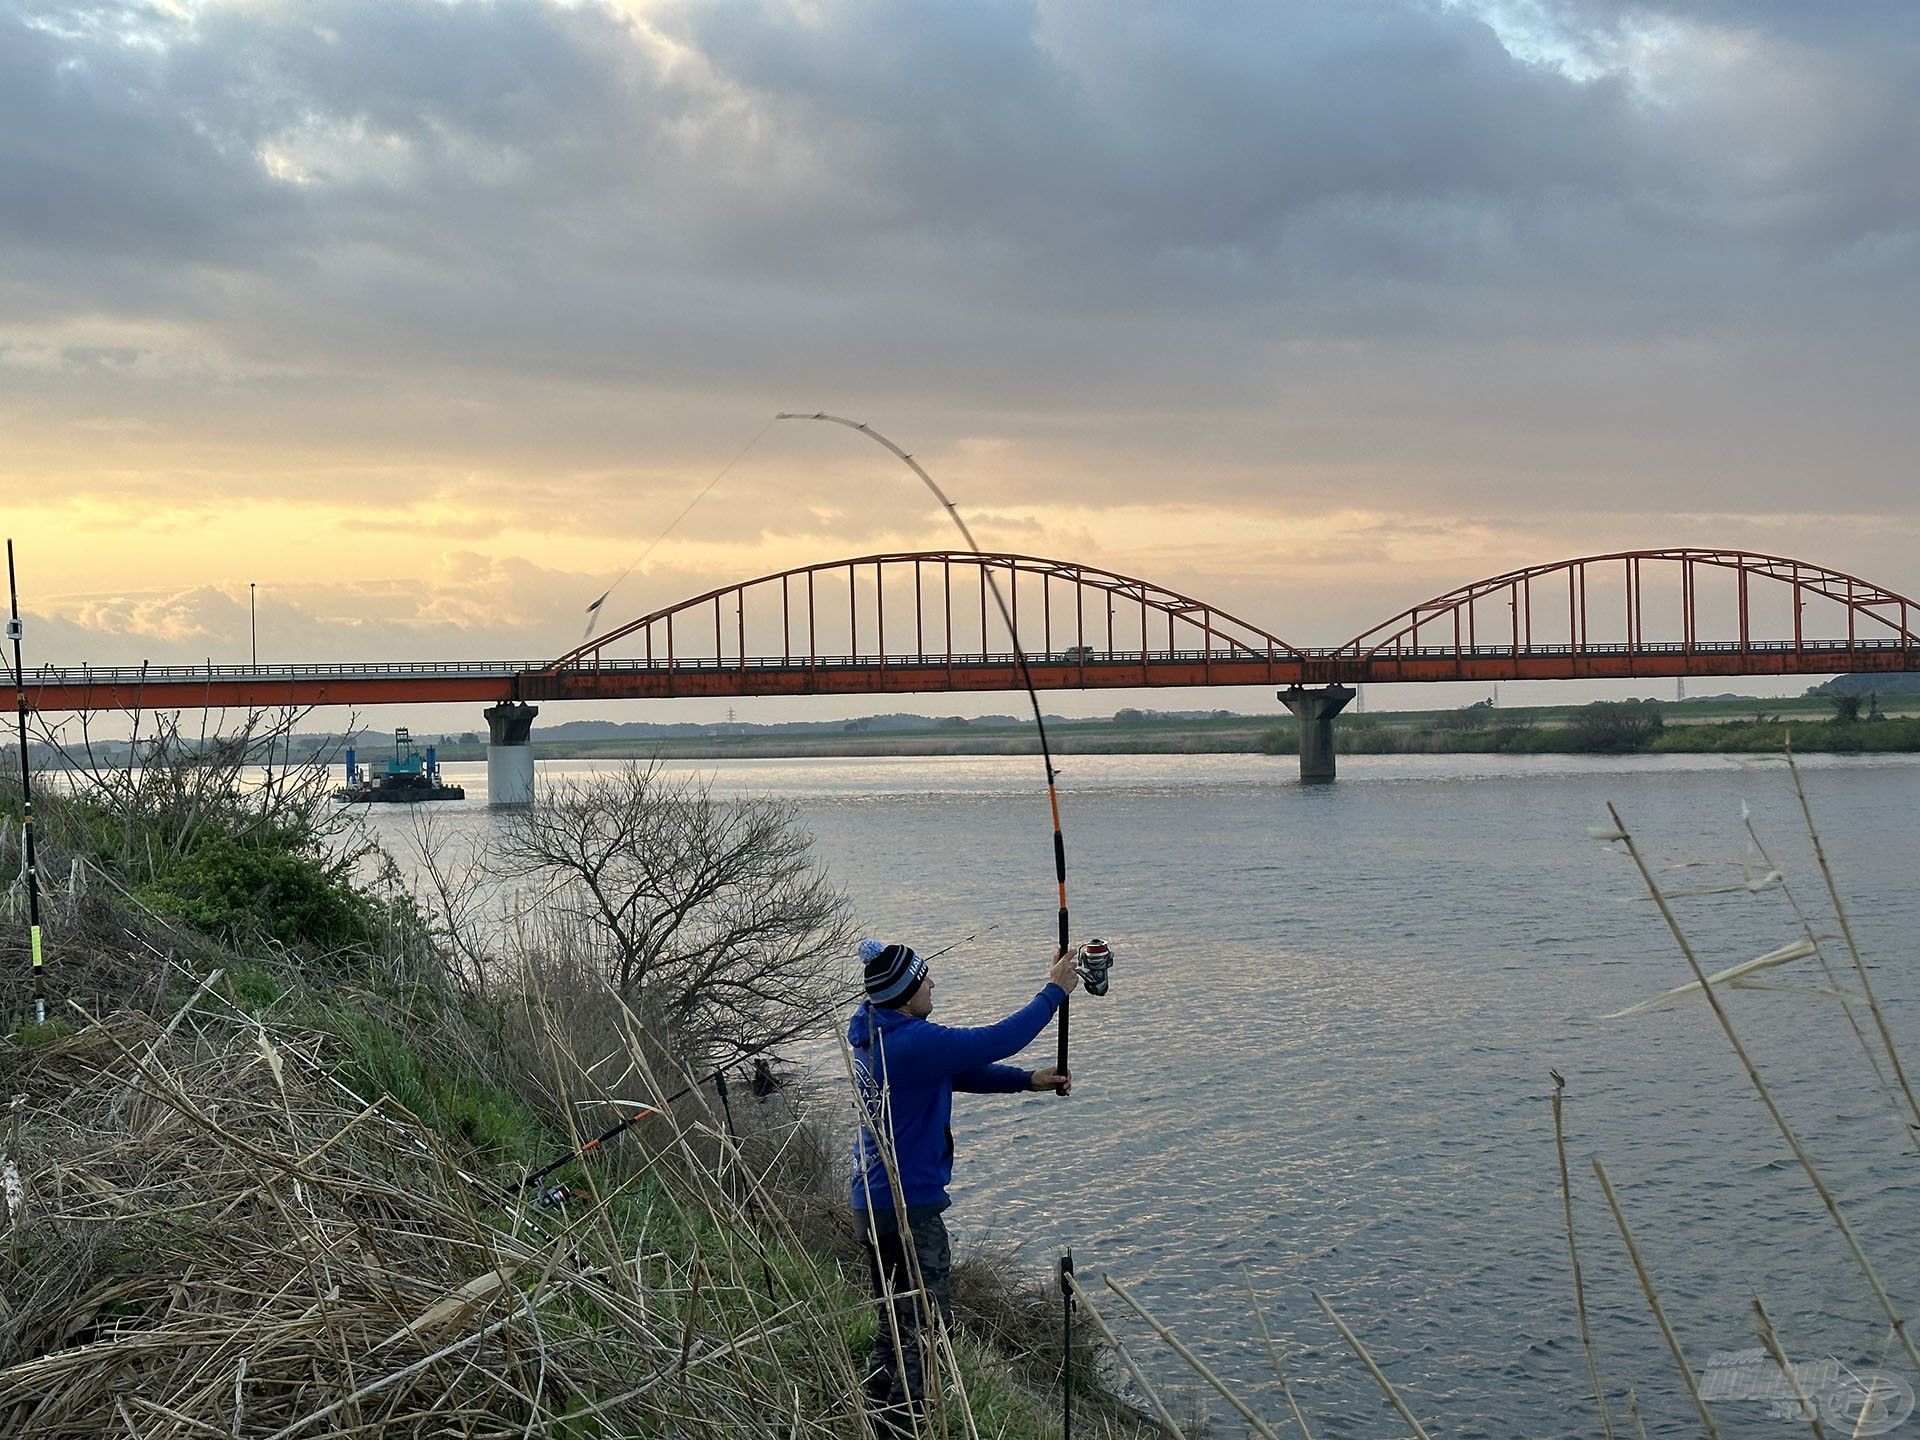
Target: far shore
x=1684 y=727
x=1722 y=724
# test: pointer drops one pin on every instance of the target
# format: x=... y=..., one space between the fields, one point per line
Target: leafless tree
x=454 y=894
x=710 y=914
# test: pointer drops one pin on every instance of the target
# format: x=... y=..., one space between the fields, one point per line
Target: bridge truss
x=923 y=622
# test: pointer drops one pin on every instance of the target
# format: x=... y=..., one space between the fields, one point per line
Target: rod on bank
x=14 y=630
x=647 y=1112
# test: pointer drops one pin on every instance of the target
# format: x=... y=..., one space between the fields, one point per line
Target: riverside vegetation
x=1849 y=724
x=263 y=1164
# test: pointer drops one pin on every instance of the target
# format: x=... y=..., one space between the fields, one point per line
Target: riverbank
x=1612 y=728
x=270 y=1171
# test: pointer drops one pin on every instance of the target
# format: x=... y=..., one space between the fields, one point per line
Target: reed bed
x=212 y=1237
x=208 y=1232
x=260 y=1187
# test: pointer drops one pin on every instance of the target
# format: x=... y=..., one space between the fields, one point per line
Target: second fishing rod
x=646 y=1112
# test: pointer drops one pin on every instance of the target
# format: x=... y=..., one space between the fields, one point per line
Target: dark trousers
x=906 y=1302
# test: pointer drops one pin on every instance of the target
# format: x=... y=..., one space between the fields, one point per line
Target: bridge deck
x=165 y=687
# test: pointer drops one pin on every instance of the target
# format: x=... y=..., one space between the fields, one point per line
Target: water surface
x=1324 y=1062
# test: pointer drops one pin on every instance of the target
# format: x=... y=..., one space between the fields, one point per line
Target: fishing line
x=593 y=610
x=1026 y=678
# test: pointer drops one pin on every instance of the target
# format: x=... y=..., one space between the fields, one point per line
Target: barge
x=409 y=778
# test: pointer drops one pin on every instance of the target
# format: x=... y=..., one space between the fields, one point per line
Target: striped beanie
x=892 y=971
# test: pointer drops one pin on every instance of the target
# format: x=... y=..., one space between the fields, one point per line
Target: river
x=1324 y=1061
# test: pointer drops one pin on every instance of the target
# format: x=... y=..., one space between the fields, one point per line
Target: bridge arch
x=1702 y=601
x=927 y=607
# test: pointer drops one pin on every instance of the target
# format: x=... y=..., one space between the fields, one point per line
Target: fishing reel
x=1095 y=966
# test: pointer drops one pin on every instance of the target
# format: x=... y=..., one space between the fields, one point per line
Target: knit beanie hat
x=892 y=971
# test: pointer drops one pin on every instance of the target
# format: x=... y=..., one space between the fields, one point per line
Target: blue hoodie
x=921 y=1065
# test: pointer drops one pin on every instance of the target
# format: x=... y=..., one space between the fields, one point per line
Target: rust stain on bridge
x=1626 y=615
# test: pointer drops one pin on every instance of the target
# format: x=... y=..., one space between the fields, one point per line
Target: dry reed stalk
x=1160 y=1411
x=1764 y=1323
x=1273 y=1355
x=1633 y=1413
x=1379 y=1376
x=1760 y=1085
x=1573 y=1256
x=1653 y=1299
x=1826 y=965
x=884 y=1146
x=1859 y=969
x=1198 y=1366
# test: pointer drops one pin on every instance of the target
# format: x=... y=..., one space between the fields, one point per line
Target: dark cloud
x=1541 y=253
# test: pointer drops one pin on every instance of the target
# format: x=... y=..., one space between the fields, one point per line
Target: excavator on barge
x=410 y=778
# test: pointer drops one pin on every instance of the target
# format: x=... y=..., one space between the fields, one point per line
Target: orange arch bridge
x=923 y=622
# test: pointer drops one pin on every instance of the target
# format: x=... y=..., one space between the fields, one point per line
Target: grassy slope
x=433 y=1054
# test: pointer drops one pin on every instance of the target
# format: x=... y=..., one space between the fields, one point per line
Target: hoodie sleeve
x=993 y=1079
x=942 y=1050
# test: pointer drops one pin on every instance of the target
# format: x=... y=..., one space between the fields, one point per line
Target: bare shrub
x=708 y=916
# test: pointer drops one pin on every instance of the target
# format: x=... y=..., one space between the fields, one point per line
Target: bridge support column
x=1314 y=711
x=510 y=753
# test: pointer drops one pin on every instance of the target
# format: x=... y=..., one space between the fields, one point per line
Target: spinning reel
x=1095 y=966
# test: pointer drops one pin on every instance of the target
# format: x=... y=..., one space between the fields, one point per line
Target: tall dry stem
x=1573 y=1256
x=1764 y=1323
x=1194 y=1362
x=1273 y=1356
x=1379 y=1375
x=1826 y=966
x=1114 y=1342
x=1859 y=969
x=1766 y=1095
x=1633 y=1413
x=1653 y=1300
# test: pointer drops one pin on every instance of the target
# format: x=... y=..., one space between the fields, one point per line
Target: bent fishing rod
x=1098 y=960
x=645 y=1112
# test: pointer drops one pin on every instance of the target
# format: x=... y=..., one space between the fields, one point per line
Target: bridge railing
x=176 y=674
x=348 y=670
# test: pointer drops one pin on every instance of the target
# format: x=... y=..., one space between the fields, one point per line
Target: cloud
x=516 y=277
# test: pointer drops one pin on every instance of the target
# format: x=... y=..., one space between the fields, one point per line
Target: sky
x=425 y=318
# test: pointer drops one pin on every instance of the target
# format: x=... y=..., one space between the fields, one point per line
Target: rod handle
x=1060 y=1048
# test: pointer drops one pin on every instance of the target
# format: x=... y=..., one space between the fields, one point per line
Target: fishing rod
x=14 y=629
x=1095 y=966
x=645 y=1112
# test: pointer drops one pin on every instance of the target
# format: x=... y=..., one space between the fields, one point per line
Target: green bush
x=234 y=891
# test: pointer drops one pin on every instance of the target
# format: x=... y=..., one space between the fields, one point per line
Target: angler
x=907 y=1068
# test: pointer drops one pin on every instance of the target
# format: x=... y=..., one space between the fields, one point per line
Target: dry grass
x=215 y=1235
x=215 y=1238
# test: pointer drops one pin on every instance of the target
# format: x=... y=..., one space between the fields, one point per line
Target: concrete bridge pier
x=1314 y=711
x=510 y=753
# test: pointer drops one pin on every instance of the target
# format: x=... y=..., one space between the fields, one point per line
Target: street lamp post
x=253 y=625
